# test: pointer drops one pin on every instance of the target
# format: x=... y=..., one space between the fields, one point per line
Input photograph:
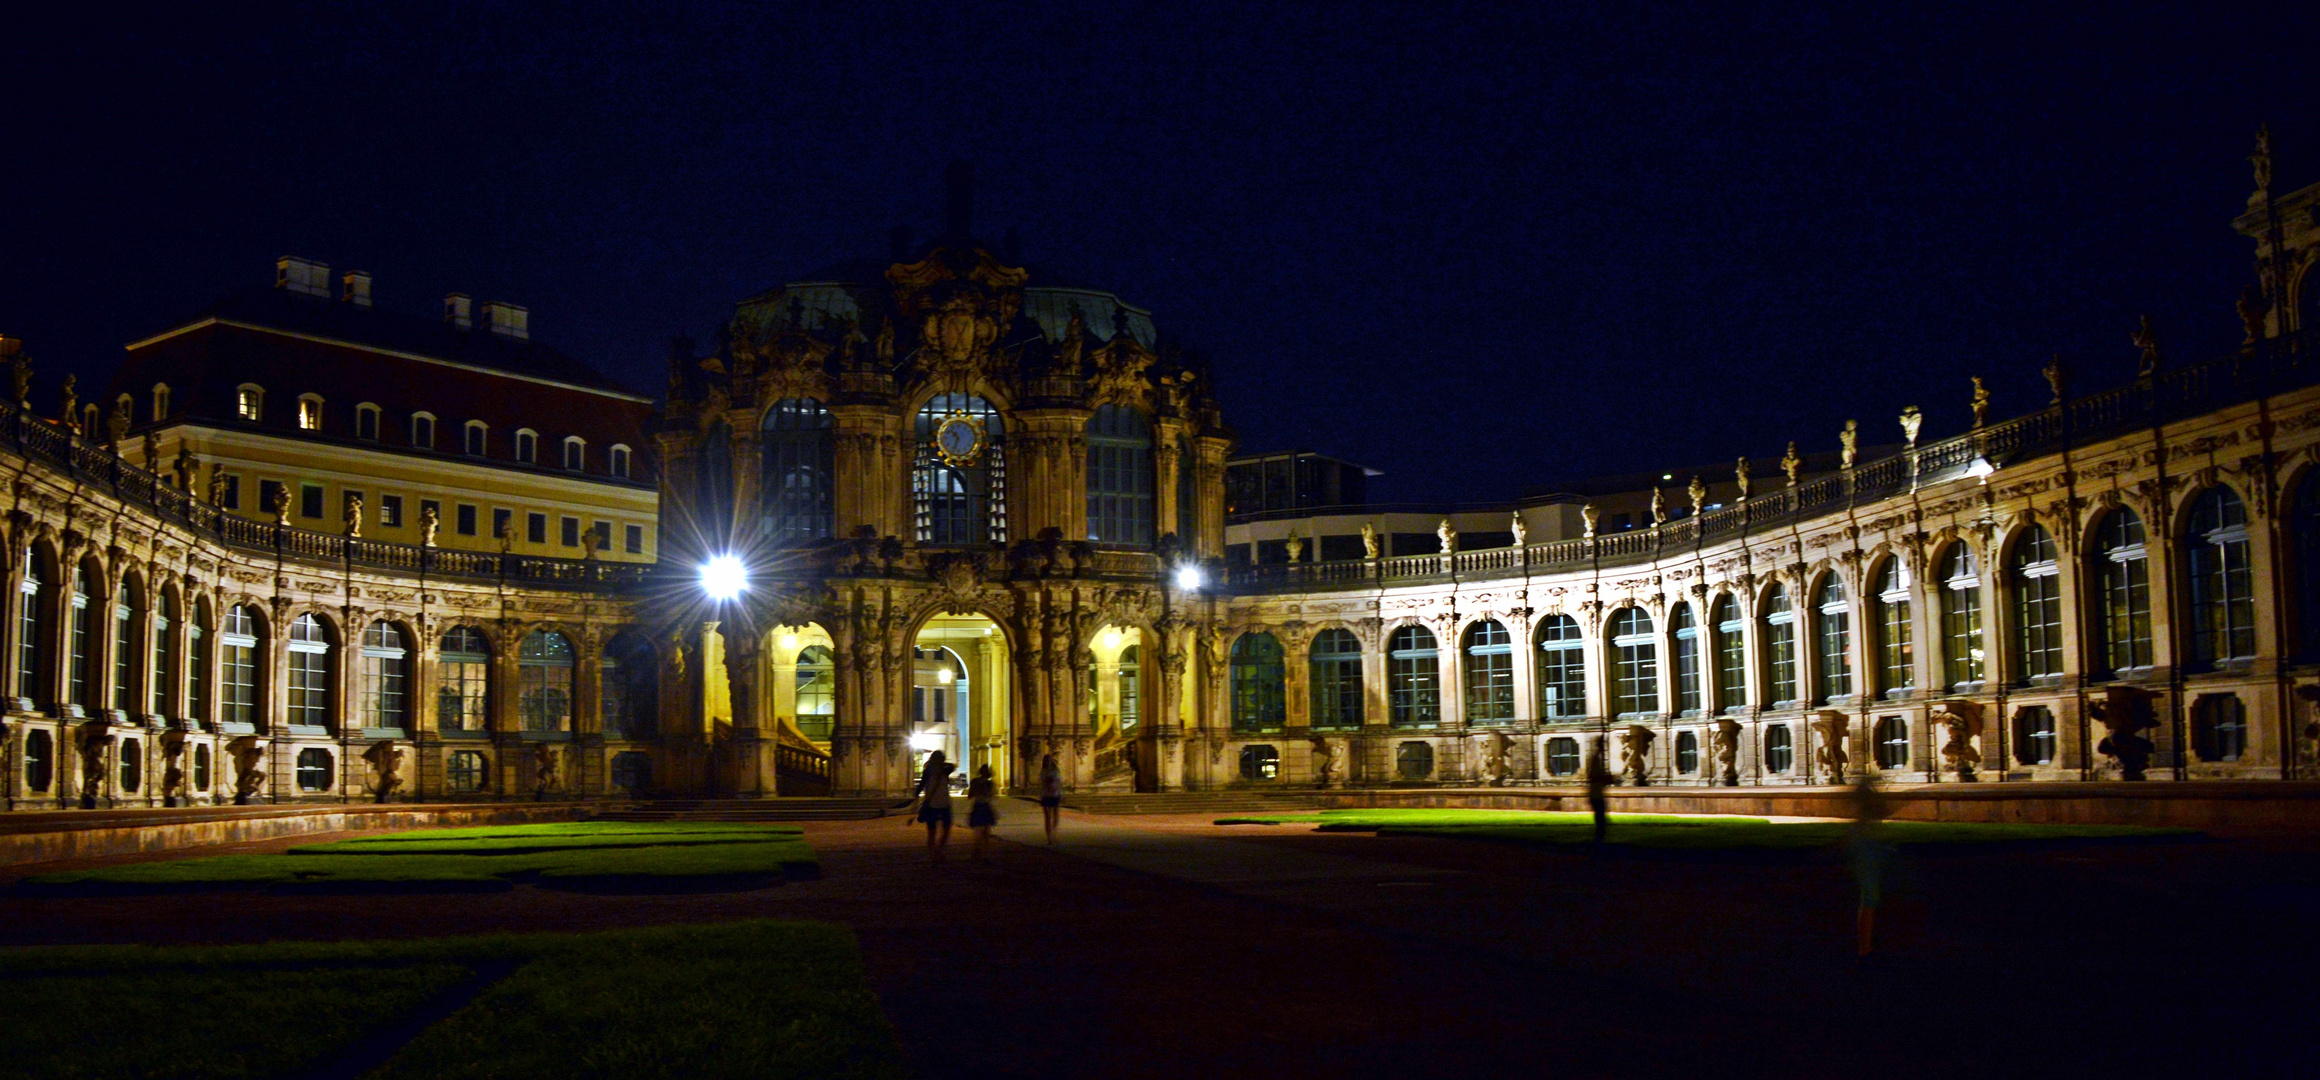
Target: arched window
x=1686 y=632
x=1336 y=679
x=713 y=485
x=462 y=681
x=2223 y=616
x=2123 y=575
x=310 y=412
x=366 y=422
x=1413 y=678
x=2219 y=727
x=527 y=446
x=250 y=402
x=2037 y=585
x=1260 y=762
x=1489 y=674
x=544 y=696
x=160 y=402
x=1131 y=688
x=1687 y=753
x=1259 y=683
x=618 y=462
x=1119 y=476
x=958 y=483
x=627 y=690
x=32 y=631
x=1896 y=635
x=125 y=611
x=386 y=677
x=1634 y=663
x=423 y=430
x=1892 y=742
x=164 y=652
x=1779 y=749
x=83 y=640
x=1562 y=668
x=2034 y=738
x=1731 y=655
x=799 y=462
x=197 y=669
x=1960 y=581
x=238 y=665
x=817 y=693
x=1778 y=626
x=478 y=441
x=1833 y=630
x=310 y=672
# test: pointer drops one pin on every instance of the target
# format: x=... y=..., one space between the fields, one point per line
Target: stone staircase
x=784 y=809
x=1191 y=802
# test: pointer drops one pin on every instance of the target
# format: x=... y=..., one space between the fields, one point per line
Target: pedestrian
x=981 y=815
x=934 y=805
x=1599 y=781
x=1050 y=795
x=1867 y=854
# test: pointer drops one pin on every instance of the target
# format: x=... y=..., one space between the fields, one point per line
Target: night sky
x=1480 y=248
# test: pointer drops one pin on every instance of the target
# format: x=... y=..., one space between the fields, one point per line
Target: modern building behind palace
x=308 y=546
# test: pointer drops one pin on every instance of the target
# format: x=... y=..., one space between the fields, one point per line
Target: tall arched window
x=626 y=688
x=799 y=463
x=310 y=671
x=125 y=612
x=1960 y=581
x=2037 y=585
x=1131 y=688
x=1260 y=694
x=462 y=681
x=958 y=484
x=83 y=640
x=1833 y=631
x=197 y=669
x=238 y=666
x=713 y=486
x=1413 y=678
x=1686 y=632
x=1634 y=663
x=386 y=677
x=1896 y=635
x=1489 y=674
x=1119 y=476
x=2223 y=614
x=2122 y=570
x=817 y=693
x=544 y=696
x=1562 y=668
x=164 y=652
x=1779 y=630
x=1731 y=655
x=32 y=630
x=1336 y=679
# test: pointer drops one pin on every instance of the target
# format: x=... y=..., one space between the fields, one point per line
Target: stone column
x=1208 y=497
x=1167 y=463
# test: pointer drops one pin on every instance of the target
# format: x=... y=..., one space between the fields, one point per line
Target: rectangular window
x=1731 y=660
x=633 y=539
x=309 y=414
x=391 y=511
x=465 y=526
x=1687 y=666
x=248 y=402
x=569 y=531
x=310 y=500
x=603 y=536
x=230 y=492
x=503 y=523
x=536 y=528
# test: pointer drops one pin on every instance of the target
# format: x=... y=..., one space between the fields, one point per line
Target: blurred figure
x=934 y=807
x=1867 y=855
x=1598 y=782
x=1050 y=795
x=981 y=815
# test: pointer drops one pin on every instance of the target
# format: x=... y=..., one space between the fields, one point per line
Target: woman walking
x=981 y=815
x=1050 y=795
x=934 y=806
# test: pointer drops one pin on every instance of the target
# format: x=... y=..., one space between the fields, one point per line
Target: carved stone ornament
x=1911 y=421
x=959 y=577
x=1832 y=728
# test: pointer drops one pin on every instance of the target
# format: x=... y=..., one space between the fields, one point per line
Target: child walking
x=981 y=814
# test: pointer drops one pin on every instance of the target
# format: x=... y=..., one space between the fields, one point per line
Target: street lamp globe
x=723 y=577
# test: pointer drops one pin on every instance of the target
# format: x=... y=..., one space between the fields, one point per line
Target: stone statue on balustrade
x=1448 y=535
x=1369 y=541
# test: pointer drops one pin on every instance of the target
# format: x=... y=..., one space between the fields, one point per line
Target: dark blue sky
x=1480 y=247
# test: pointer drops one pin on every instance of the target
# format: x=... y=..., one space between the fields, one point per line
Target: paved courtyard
x=1166 y=946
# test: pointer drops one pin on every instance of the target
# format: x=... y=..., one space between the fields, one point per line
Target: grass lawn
x=1671 y=832
x=742 y=999
x=598 y=855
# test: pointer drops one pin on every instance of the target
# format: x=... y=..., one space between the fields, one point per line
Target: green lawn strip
x=1452 y=817
x=523 y=844
x=736 y=999
x=577 y=831
x=1672 y=832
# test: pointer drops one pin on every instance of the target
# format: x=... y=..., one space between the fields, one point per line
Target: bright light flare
x=927 y=740
x=1189 y=578
x=723 y=577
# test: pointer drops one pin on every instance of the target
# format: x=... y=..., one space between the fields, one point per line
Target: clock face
x=958 y=440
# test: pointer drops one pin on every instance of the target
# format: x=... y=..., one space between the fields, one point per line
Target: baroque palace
x=306 y=550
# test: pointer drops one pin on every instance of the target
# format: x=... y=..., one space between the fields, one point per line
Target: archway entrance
x=962 y=697
x=1117 y=692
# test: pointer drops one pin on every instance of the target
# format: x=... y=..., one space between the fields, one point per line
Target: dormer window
x=423 y=430
x=250 y=402
x=160 y=401
x=366 y=422
x=575 y=453
x=527 y=446
x=619 y=461
x=309 y=412
x=478 y=436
